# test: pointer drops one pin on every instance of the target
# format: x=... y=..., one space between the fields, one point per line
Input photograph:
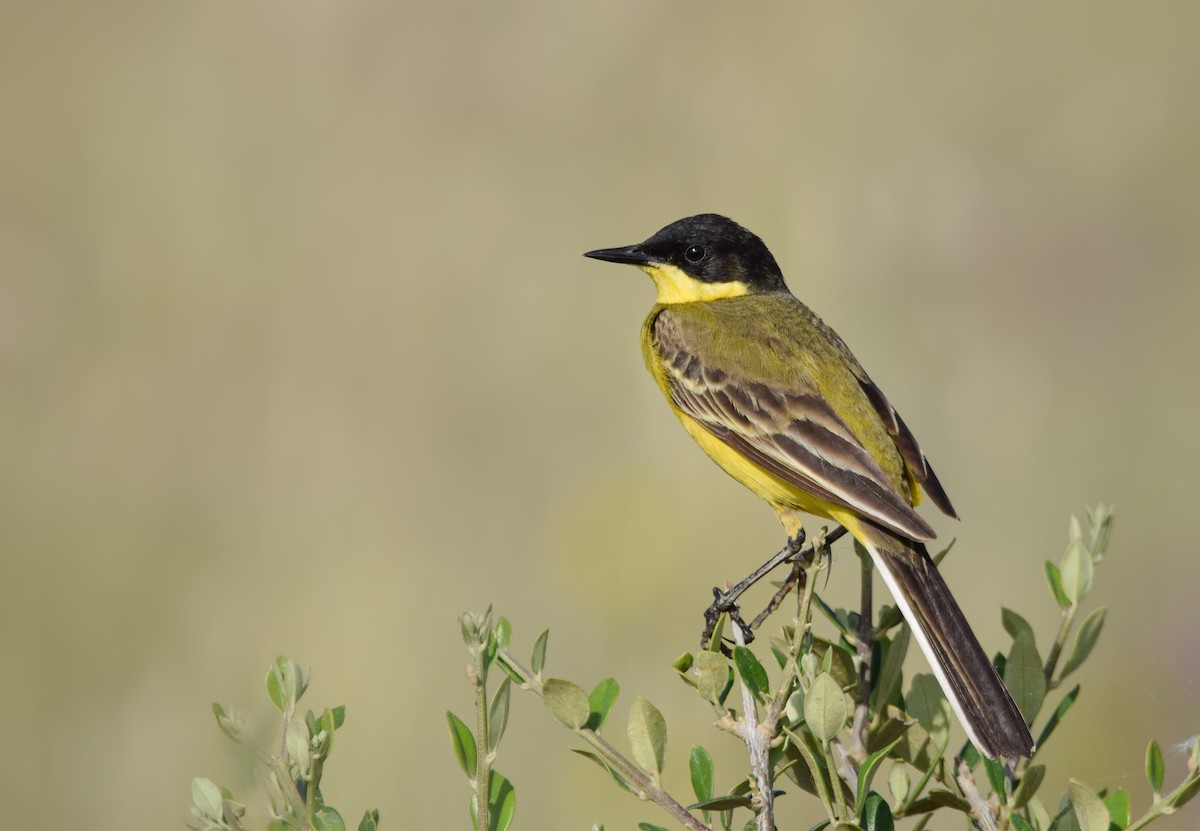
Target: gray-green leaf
x=498 y=713
x=1024 y=677
x=206 y=796
x=928 y=705
x=538 y=659
x=712 y=675
x=1085 y=640
x=1089 y=809
x=567 y=702
x=647 y=731
x=700 y=765
x=1077 y=570
x=825 y=708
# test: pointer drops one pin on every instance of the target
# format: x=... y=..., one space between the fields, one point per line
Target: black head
x=707 y=247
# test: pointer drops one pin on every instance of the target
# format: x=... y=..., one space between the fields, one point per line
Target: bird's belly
x=766 y=485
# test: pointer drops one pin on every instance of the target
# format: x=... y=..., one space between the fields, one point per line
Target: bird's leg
x=726 y=601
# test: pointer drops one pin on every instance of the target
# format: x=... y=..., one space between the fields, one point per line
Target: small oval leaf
x=712 y=676
x=1024 y=677
x=753 y=675
x=647 y=731
x=701 y=767
x=1085 y=640
x=1054 y=581
x=1090 y=812
x=1154 y=766
x=1077 y=570
x=538 y=660
x=464 y=744
x=825 y=708
x=567 y=702
x=928 y=705
x=600 y=702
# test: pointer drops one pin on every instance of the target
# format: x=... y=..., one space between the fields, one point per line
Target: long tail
x=971 y=684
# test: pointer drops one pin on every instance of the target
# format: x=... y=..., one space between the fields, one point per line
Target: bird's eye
x=694 y=254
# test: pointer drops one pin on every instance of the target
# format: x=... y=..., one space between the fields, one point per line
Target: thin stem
x=863 y=642
x=979 y=806
x=634 y=775
x=1060 y=639
x=836 y=784
x=483 y=769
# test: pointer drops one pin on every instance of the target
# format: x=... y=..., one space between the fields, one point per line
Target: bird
x=775 y=397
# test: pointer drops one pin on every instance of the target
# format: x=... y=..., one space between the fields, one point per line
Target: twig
x=727 y=601
x=979 y=805
x=757 y=742
x=643 y=784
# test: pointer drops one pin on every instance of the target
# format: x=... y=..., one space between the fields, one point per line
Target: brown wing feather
x=794 y=434
x=910 y=451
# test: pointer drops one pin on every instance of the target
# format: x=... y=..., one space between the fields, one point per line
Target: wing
x=793 y=433
x=910 y=451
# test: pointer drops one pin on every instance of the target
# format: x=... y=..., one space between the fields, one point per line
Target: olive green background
x=299 y=355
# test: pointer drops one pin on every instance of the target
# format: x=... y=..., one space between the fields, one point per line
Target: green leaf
x=722 y=803
x=928 y=705
x=1085 y=639
x=649 y=826
x=328 y=819
x=275 y=683
x=230 y=722
x=898 y=781
x=1019 y=824
x=1117 y=805
x=825 y=708
x=464 y=744
x=1090 y=812
x=539 y=653
x=503 y=632
x=502 y=803
x=1100 y=525
x=1154 y=767
x=1014 y=624
x=206 y=796
x=712 y=676
x=1186 y=793
x=567 y=702
x=498 y=713
x=939 y=798
x=503 y=798
x=701 y=766
x=1077 y=569
x=754 y=676
x=877 y=814
x=996 y=777
x=1054 y=580
x=647 y=731
x=369 y=821
x=339 y=716
x=602 y=762
x=1028 y=786
x=891 y=669
x=866 y=772
x=1056 y=717
x=600 y=702
x=1024 y=677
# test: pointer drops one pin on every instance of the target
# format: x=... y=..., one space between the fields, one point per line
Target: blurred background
x=300 y=356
